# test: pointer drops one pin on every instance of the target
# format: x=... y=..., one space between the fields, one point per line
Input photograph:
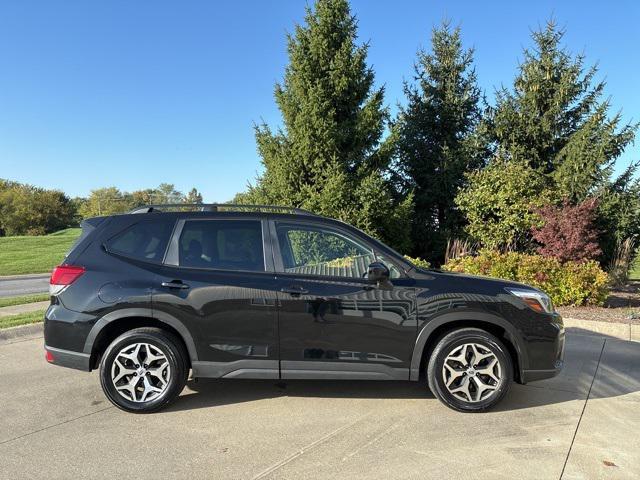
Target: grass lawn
x=22 y=319
x=35 y=254
x=10 y=301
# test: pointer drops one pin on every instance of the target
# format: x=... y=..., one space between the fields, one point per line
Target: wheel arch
x=435 y=329
x=115 y=323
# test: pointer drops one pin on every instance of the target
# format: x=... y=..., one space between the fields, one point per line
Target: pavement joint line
x=307 y=448
x=377 y=437
x=584 y=406
x=55 y=425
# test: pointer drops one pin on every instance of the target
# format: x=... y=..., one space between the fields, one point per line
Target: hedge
x=570 y=283
x=418 y=262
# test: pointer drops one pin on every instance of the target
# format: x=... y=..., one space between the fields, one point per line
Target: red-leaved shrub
x=568 y=231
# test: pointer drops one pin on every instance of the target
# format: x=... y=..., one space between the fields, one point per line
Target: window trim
x=277 y=254
x=172 y=257
x=105 y=243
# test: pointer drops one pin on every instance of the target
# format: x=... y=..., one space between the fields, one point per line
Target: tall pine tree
x=437 y=140
x=554 y=124
x=327 y=157
x=555 y=120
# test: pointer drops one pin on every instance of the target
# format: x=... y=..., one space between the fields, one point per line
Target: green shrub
x=418 y=262
x=569 y=283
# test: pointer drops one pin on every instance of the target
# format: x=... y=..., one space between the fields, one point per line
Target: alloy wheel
x=140 y=372
x=471 y=372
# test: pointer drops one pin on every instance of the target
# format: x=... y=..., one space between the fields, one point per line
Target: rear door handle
x=175 y=284
x=294 y=290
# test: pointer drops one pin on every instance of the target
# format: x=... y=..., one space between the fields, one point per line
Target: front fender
x=464 y=317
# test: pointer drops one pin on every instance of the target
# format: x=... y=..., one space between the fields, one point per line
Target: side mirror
x=378 y=273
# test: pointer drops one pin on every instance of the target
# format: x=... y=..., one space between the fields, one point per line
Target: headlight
x=538 y=301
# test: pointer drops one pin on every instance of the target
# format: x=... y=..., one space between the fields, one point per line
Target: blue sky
x=133 y=94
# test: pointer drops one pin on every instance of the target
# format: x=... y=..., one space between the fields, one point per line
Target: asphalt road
x=24 y=284
x=584 y=424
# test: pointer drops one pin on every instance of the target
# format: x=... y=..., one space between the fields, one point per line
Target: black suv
x=273 y=293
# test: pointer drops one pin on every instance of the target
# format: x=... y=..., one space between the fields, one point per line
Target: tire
x=464 y=385
x=144 y=370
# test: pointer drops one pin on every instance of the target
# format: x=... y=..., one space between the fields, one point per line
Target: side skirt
x=340 y=371
x=295 y=370
x=257 y=369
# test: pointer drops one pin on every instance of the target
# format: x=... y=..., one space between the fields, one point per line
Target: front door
x=333 y=323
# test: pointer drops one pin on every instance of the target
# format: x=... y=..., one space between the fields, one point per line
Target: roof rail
x=218 y=207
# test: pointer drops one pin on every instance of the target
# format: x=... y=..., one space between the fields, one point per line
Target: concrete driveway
x=16 y=285
x=584 y=424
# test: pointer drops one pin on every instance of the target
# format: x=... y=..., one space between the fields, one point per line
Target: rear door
x=218 y=280
x=333 y=322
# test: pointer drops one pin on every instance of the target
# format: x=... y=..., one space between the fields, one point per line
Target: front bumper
x=67 y=358
x=535 y=375
x=557 y=346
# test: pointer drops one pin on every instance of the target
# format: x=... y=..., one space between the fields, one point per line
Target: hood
x=466 y=282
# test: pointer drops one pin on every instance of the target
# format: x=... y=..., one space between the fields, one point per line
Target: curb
x=623 y=331
x=26 y=276
x=23 y=308
x=7 y=335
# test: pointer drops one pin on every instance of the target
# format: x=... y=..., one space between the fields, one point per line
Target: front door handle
x=294 y=290
x=175 y=284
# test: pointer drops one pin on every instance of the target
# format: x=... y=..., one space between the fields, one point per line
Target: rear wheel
x=143 y=370
x=470 y=370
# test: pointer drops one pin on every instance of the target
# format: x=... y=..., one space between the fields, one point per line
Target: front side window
x=316 y=251
x=146 y=240
x=222 y=244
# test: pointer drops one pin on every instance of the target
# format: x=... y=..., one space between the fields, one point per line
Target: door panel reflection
x=347 y=321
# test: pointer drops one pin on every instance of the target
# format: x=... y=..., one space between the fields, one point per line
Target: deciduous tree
x=500 y=203
x=568 y=232
x=28 y=210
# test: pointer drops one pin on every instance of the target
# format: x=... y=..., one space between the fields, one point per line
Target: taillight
x=48 y=356
x=65 y=274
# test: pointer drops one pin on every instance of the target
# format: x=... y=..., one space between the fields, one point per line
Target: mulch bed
x=622 y=306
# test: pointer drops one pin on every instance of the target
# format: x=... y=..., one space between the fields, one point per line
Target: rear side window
x=222 y=244
x=143 y=241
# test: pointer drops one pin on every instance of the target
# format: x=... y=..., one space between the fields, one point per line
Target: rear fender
x=141 y=313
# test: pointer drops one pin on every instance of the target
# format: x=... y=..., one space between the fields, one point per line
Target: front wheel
x=470 y=370
x=143 y=370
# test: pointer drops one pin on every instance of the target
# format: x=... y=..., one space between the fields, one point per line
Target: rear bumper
x=67 y=358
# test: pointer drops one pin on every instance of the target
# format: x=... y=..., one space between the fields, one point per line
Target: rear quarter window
x=146 y=241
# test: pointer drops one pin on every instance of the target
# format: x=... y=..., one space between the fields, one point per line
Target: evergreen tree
x=555 y=121
x=328 y=157
x=437 y=138
x=618 y=212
